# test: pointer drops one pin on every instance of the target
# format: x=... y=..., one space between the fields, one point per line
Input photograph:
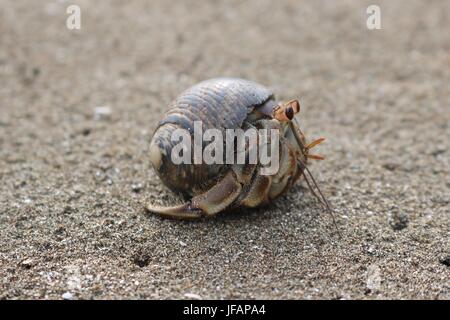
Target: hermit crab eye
x=289 y=112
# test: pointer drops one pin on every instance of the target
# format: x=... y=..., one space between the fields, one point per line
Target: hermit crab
x=222 y=104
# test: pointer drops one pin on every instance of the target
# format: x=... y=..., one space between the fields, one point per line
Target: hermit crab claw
x=182 y=211
x=212 y=201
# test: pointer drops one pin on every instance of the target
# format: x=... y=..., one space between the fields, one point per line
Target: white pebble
x=67 y=296
x=193 y=296
x=102 y=112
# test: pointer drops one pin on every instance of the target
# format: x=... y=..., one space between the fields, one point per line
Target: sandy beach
x=78 y=109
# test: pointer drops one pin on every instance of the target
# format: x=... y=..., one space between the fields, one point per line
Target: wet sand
x=75 y=178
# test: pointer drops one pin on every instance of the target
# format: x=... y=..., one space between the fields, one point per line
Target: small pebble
x=102 y=113
x=86 y=131
x=183 y=244
x=441 y=199
x=398 y=221
x=193 y=296
x=446 y=261
x=27 y=263
x=67 y=296
x=136 y=187
x=390 y=166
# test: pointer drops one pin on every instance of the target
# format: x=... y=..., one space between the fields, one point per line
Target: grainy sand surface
x=74 y=183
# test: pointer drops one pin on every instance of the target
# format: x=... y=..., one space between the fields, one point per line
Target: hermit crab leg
x=321 y=198
x=182 y=211
x=302 y=165
x=209 y=203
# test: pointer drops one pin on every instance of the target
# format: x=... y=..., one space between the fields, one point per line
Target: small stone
x=67 y=210
x=441 y=199
x=86 y=131
x=193 y=296
x=446 y=260
x=100 y=176
x=398 y=221
x=141 y=259
x=438 y=151
x=67 y=296
x=27 y=263
x=136 y=187
x=390 y=166
x=59 y=231
x=102 y=113
x=183 y=244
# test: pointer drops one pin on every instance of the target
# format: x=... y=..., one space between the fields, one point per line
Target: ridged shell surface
x=221 y=103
